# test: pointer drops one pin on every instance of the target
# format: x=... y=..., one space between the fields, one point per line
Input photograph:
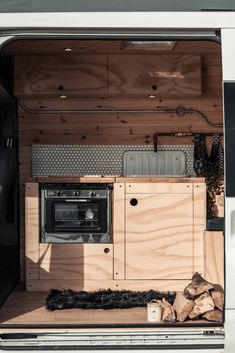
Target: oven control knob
x=92 y=194
x=59 y=193
x=75 y=193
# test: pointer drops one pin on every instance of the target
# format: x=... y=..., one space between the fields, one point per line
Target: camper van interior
x=111 y=179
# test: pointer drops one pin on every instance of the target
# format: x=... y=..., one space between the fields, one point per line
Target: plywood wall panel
x=214 y=257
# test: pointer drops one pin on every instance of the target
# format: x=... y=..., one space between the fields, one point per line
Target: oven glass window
x=82 y=215
x=80 y=218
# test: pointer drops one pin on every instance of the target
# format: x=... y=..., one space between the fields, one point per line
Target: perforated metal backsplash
x=72 y=160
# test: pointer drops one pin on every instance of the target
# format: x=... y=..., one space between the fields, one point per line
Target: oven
x=76 y=213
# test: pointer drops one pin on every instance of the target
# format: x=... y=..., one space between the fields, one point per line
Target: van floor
x=28 y=308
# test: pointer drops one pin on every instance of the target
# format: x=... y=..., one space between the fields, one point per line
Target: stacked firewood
x=199 y=300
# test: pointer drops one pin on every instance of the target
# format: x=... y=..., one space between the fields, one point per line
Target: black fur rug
x=103 y=299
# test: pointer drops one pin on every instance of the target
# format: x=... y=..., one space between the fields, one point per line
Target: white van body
x=153 y=25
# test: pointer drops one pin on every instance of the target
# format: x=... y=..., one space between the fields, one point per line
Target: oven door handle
x=77 y=200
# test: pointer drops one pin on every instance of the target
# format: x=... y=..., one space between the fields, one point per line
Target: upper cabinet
x=108 y=75
x=158 y=75
x=61 y=75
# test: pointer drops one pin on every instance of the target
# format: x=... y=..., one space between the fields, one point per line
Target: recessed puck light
x=63 y=96
x=68 y=50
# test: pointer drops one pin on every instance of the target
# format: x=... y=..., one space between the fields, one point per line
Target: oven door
x=78 y=220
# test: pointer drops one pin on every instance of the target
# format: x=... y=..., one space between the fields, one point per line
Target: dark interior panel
x=229 y=116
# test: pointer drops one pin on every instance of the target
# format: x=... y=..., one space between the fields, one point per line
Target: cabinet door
x=159 y=236
x=76 y=261
x=160 y=75
x=61 y=75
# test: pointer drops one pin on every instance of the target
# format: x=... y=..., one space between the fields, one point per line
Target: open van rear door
x=190 y=340
x=228 y=54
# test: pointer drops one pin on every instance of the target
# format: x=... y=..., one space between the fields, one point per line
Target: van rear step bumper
x=116 y=340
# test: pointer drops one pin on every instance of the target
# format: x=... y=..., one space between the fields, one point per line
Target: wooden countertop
x=158 y=180
x=73 y=179
x=116 y=179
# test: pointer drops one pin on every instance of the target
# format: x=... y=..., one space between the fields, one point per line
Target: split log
x=202 y=304
x=218 y=297
x=168 y=312
x=198 y=286
x=214 y=315
x=182 y=306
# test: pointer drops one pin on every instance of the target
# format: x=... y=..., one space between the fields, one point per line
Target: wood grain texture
x=31 y=310
x=159 y=236
x=114 y=128
x=160 y=75
x=91 y=285
x=198 y=249
x=73 y=179
x=163 y=75
x=60 y=75
x=115 y=179
x=76 y=261
x=57 y=261
x=159 y=188
x=199 y=226
x=199 y=198
x=155 y=237
x=32 y=230
x=159 y=180
x=214 y=257
x=119 y=230
x=22 y=308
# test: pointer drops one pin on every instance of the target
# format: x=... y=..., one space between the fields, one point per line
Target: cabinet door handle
x=134 y=202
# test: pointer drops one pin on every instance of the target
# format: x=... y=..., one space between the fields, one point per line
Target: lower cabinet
x=159 y=234
x=157 y=242
x=76 y=261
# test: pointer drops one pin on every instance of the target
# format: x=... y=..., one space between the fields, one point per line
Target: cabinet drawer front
x=159 y=188
x=76 y=261
x=168 y=75
x=61 y=75
x=159 y=236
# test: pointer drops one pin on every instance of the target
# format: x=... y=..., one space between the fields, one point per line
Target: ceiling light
x=147 y=45
x=63 y=96
x=68 y=50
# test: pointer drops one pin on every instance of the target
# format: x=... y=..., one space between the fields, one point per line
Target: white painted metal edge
x=174 y=20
